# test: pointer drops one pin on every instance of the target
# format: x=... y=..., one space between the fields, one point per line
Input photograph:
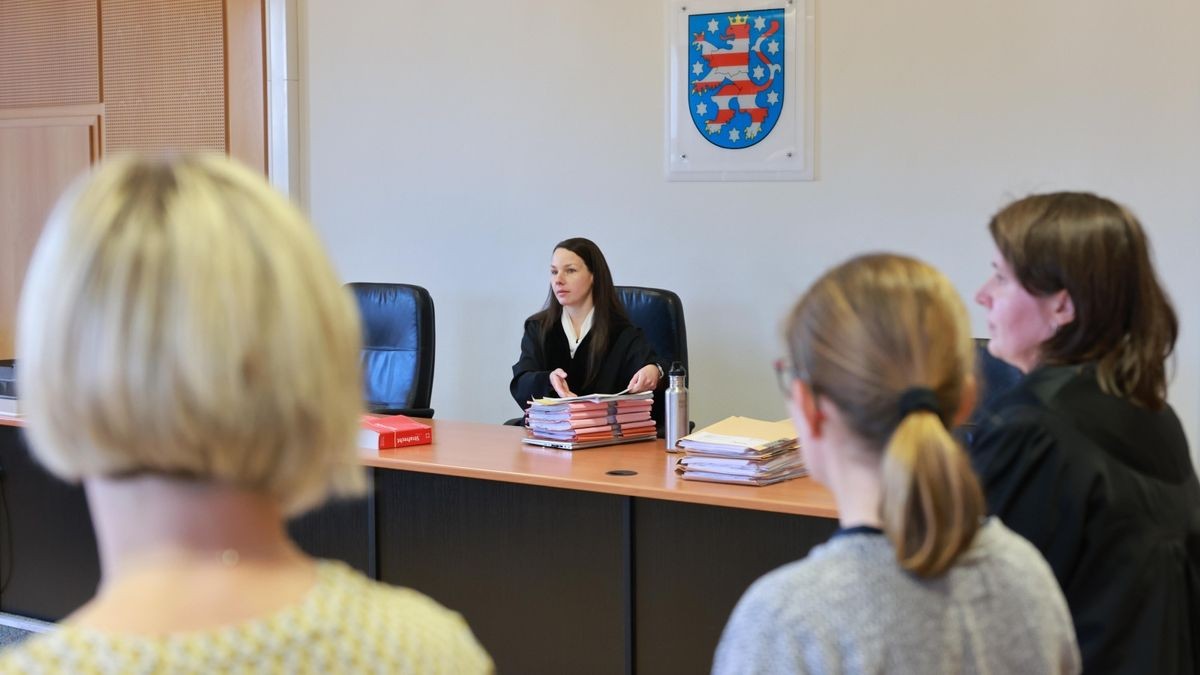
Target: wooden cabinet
x=80 y=79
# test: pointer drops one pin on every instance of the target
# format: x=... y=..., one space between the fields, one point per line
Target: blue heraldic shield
x=735 y=75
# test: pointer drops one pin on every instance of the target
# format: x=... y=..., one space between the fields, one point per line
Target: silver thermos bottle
x=676 y=407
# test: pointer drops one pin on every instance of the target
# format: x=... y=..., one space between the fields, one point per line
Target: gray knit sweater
x=849 y=608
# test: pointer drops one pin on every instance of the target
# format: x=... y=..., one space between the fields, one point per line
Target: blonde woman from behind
x=915 y=580
x=188 y=354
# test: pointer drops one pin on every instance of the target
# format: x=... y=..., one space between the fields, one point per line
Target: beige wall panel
x=38 y=158
x=49 y=53
x=164 y=75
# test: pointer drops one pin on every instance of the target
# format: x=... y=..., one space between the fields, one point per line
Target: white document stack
x=743 y=451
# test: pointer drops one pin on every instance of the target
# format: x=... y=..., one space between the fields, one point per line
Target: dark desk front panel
x=340 y=530
x=561 y=581
x=540 y=574
x=48 y=559
x=48 y=547
x=691 y=565
x=550 y=580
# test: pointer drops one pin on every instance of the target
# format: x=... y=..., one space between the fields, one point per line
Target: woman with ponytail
x=915 y=580
x=1083 y=457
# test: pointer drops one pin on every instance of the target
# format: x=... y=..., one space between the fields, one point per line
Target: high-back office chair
x=993 y=378
x=659 y=313
x=398 y=347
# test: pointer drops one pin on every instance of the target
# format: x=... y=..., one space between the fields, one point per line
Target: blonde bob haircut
x=180 y=318
x=866 y=332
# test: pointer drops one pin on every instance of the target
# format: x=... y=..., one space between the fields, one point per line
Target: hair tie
x=919 y=398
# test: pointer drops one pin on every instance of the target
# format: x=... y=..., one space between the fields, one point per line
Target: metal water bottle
x=676 y=407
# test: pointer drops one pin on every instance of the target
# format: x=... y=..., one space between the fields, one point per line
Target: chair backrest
x=659 y=313
x=398 y=347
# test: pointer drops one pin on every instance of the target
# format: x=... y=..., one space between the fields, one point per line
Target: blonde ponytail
x=932 y=502
x=886 y=339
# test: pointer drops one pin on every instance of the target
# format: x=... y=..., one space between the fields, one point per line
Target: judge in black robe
x=628 y=352
x=611 y=354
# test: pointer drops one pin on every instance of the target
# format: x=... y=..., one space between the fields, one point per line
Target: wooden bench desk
x=493 y=452
x=557 y=565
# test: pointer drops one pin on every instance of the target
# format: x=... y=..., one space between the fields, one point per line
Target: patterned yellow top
x=346 y=624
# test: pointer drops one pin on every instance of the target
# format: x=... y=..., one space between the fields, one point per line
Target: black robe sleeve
x=1033 y=489
x=1104 y=490
x=531 y=373
x=629 y=352
x=635 y=353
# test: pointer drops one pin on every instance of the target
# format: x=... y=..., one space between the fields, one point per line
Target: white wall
x=451 y=144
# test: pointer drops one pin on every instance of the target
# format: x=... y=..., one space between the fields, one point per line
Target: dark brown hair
x=1097 y=251
x=608 y=312
x=865 y=333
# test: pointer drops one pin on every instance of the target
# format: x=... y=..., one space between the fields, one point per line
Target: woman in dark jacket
x=1083 y=457
x=582 y=342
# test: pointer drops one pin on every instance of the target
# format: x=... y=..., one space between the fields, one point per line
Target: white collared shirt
x=573 y=340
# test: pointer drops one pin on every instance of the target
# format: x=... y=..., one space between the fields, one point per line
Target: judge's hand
x=558 y=380
x=645 y=379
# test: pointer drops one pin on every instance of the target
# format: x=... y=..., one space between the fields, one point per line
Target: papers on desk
x=591 y=418
x=743 y=471
x=742 y=450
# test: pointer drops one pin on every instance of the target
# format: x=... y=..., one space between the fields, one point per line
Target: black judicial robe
x=629 y=352
x=1107 y=492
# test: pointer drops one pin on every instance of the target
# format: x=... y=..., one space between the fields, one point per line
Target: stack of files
x=591 y=418
x=744 y=451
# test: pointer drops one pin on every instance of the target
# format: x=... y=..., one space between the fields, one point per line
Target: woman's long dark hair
x=608 y=312
x=1097 y=251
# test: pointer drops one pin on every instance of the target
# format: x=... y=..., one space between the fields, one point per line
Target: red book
x=384 y=432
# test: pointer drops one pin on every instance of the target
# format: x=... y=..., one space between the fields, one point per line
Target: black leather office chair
x=993 y=377
x=398 y=348
x=659 y=313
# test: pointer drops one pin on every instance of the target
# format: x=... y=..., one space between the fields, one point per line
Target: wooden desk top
x=495 y=452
